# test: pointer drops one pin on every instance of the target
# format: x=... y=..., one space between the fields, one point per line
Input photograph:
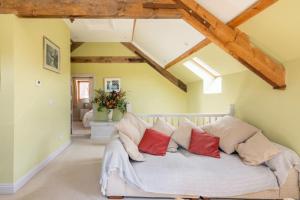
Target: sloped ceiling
x=161 y=39
x=226 y=10
x=214 y=57
x=165 y=39
x=101 y=30
x=276 y=30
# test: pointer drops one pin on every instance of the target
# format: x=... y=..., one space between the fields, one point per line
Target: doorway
x=81 y=104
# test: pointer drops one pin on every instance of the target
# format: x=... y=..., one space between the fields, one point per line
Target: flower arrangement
x=110 y=100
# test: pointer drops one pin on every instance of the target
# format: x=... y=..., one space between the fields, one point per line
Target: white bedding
x=87 y=118
x=185 y=173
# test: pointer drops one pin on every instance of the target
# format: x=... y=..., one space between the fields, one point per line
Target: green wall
x=6 y=98
x=34 y=121
x=42 y=114
x=147 y=90
x=276 y=112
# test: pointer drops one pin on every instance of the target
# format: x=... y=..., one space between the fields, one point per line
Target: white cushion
x=133 y=127
x=131 y=148
x=182 y=135
x=282 y=163
x=164 y=127
x=231 y=132
x=257 y=150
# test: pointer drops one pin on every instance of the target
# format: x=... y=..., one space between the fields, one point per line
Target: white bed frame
x=199 y=119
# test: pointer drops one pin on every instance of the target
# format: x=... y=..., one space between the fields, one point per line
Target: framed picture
x=51 y=55
x=112 y=84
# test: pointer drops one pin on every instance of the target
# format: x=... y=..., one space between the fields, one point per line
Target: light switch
x=38 y=83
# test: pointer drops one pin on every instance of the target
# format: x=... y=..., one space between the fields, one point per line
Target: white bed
x=187 y=175
x=183 y=174
x=87 y=118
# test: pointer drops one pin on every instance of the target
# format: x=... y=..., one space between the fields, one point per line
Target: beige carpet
x=73 y=175
x=79 y=130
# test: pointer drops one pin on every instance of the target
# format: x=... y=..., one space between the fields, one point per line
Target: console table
x=102 y=131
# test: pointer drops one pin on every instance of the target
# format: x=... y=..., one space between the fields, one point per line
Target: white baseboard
x=11 y=188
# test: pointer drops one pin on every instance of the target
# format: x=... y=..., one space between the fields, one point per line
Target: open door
x=82 y=96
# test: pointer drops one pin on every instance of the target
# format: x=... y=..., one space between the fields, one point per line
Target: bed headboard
x=199 y=119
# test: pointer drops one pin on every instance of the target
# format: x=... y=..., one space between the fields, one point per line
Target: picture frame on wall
x=112 y=84
x=51 y=54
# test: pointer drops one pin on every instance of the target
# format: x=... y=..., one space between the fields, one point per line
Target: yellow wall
x=276 y=112
x=194 y=96
x=147 y=90
x=6 y=98
x=215 y=103
x=40 y=115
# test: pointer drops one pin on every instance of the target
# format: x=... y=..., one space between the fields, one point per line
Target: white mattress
x=186 y=173
x=117 y=187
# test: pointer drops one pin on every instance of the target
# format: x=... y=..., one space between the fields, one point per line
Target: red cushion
x=204 y=144
x=154 y=142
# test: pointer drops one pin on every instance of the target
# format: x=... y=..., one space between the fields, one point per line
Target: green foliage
x=110 y=100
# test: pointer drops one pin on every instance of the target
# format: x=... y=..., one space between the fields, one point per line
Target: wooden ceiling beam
x=156 y=66
x=132 y=9
x=189 y=52
x=107 y=59
x=253 y=10
x=75 y=45
x=234 y=42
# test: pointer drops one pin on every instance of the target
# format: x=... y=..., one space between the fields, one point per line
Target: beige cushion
x=166 y=128
x=231 y=132
x=257 y=150
x=133 y=127
x=182 y=135
x=131 y=148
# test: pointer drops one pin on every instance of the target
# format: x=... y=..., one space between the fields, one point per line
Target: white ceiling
x=165 y=39
x=162 y=39
x=101 y=30
x=226 y=10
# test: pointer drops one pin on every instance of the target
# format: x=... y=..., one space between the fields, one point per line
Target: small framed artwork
x=51 y=55
x=112 y=84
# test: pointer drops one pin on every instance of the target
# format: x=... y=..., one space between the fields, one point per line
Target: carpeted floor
x=79 y=130
x=73 y=175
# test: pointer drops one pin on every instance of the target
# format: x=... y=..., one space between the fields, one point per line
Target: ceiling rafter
x=107 y=59
x=253 y=10
x=86 y=9
x=75 y=45
x=156 y=66
x=231 y=40
x=234 y=42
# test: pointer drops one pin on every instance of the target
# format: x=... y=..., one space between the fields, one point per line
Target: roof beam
x=234 y=42
x=85 y=9
x=253 y=10
x=156 y=66
x=75 y=45
x=107 y=59
x=189 y=52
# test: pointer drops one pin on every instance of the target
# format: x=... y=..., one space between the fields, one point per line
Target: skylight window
x=212 y=80
x=206 y=67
